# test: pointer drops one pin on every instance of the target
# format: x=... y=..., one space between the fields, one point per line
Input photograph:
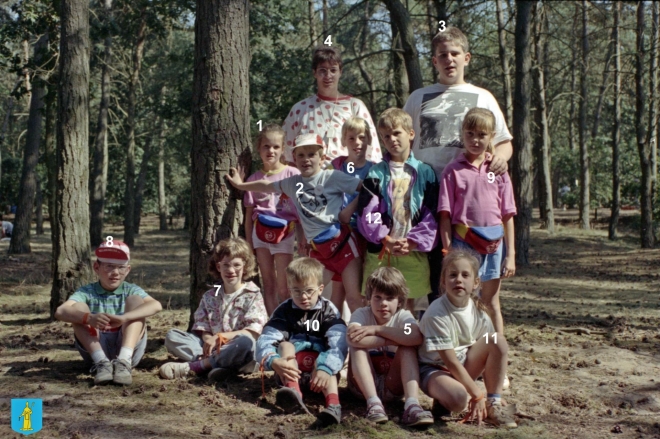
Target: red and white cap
x=308 y=139
x=116 y=253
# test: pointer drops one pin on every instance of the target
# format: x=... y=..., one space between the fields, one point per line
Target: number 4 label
x=328 y=41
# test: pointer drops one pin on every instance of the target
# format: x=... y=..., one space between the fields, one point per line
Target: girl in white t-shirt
x=383 y=339
x=460 y=344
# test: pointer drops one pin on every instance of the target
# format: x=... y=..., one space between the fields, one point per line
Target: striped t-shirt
x=109 y=302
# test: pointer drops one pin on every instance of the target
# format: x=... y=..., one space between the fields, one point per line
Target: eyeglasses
x=307 y=293
x=109 y=268
x=329 y=73
x=236 y=267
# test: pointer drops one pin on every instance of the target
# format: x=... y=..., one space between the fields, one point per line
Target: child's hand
x=98 y=321
x=498 y=165
x=209 y=344
x=303 y=248
x=509 y=267
x=236 y=175
x=477 y=411
x=356 y=333
x=116 y=321
x=320 y=381
x=220 y=340
x=392 y=245
x=286 y=371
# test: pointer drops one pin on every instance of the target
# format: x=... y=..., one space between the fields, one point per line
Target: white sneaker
x=171 y=371
x=506 y=383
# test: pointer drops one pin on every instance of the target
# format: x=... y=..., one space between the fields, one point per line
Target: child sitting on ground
x=108 y=316
x=383 y=339
x=228 y=320
x=304 y=342
x=270 y=219
x=460 y=343
x=318 y=196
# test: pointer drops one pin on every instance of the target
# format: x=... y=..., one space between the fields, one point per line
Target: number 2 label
x=300 y=189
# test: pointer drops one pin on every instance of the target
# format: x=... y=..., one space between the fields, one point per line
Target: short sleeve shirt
x=365 y=317
x=446 y=326
x=271 y=203
x=318 y=198
x=108 y=302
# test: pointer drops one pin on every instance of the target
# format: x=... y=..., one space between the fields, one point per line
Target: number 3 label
x=442 y=27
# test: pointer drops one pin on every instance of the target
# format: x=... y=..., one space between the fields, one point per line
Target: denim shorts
x=491 y=265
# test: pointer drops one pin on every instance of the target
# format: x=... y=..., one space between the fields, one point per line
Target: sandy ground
x=601 y=384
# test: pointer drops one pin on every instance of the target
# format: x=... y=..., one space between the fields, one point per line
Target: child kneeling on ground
x=304 y=342
x=460 y=343
x=108 y=316
x=383 y=339
x=227 y=322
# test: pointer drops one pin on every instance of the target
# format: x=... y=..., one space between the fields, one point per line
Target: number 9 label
x=491 y=177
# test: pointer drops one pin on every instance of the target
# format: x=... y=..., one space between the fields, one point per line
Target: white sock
x=125 y=354
x=409 y=402
x=373 y=400
x=494 y=399
x=98 y=356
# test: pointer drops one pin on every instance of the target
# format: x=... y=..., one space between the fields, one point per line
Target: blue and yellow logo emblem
x=26 y=415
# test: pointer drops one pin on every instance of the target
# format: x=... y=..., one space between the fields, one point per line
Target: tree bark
x=585 y=178
x=129 y=198
x=396 y=60
x=504 y=60
x=38 y=208
x=325 y=19
x=441 y=14
x=399 y=14
x=20 y=241
x=364 y=71
x=312 y=26
x=162 y=199
x=643 y=145
x=653 y=110
x=571 y=113
x=543 y=138
x=220 y=129
x=521 y=170
x=99 y=178
x=51 y=163
x=616 y=132
x=71 y=252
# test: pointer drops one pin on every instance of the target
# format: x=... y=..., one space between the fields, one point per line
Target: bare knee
x=502 y=347
x=133 y=302
x=456 y=403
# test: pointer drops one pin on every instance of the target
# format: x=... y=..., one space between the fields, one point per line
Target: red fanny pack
x=306 y=360
x=382 y=361
x=328 y=243
x=485 y=240
x=272 y=229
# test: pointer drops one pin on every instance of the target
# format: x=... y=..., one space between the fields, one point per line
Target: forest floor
x=605 y=384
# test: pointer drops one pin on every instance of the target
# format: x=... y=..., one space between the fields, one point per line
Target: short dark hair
x=389 y=281
x=323 y=54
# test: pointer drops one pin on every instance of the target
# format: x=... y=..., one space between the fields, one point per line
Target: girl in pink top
x=272 y=257
x=477 y=208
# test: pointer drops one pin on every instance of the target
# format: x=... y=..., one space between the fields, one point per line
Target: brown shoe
x=501 y=416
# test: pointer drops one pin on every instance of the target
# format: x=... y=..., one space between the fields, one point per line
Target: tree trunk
x=571 y=113
x=601 y=93
x=20 y=241
x=141 y=182
x=220 y=129
x=129 y=199
x=399 y=14
x=71 y=252
x=521 y=169
x=616 y=132
x=6 y=123
x=364 y=71
x=325 y=19
x=51 y=163
x=653 y=111
x=643 y=146
x=312 y=27
x=39 y=208
x=99 y=178
x=585 y=178
x=162 y=200
x=396 y=60
x=504 y=60
x=543 y=138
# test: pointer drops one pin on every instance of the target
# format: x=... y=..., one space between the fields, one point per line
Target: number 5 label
x=407 y=329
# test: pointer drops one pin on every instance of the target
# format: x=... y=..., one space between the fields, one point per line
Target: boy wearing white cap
x=108 y=316
x=318 y=196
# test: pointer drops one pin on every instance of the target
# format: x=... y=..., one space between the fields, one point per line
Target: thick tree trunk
x=162 y=199
x=364 y=71
x=129 y=198
x=39 y=208
x=20 y=241
x=71 y=251
x=616 y=133
x=220 y=129
x=312 y=26
x=543 y=138
x=521 y=170
x=504 y=60
x=585 y=178
x=396 y=60
x=51 y=164
x=653 y=87
x=6 y=123
x=141 y=183
x=643 y=146
x=571 y=113
x=601 y=94
x=99 y=178
x=399 y=14
x=326 y=18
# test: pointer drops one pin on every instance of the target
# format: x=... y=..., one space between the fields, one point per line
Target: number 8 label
x=108 y=241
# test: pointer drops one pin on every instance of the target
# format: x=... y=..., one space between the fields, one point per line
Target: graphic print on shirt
x=442 y=116
x=312 y=201
x=400 y=202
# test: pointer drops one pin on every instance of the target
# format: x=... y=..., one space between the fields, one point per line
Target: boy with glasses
x=108 y=316
x=304 y=342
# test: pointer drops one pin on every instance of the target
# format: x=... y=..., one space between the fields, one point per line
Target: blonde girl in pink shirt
x=477 y=207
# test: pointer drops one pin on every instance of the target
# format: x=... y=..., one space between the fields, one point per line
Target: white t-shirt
x=401 y=178
x=437 y=112
x=365 y=317
x=448 y=327
x=318 y=199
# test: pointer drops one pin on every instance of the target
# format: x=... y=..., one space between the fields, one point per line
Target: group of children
x=368 y=228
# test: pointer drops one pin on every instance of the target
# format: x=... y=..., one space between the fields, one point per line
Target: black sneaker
x=290 y=400
x=122 y=373
x=330 y=415
x=103 y=372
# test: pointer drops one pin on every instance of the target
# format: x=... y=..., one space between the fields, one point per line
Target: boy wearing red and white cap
x=108 y=316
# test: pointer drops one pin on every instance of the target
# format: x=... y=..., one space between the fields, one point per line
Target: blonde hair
x=473 y=259
x=356 y=124
x=389 y=281
x=233 y=248
x=395 y=117
x=304 y=269
x=453 y=35
x=480 y=119
x=268 y=129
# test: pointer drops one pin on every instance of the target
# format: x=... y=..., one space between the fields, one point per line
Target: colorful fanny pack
x=328 y=243
x=272 y=229
x=485 y=240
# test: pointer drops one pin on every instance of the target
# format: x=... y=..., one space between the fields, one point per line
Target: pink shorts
x=284 y=246
x=338 y=263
